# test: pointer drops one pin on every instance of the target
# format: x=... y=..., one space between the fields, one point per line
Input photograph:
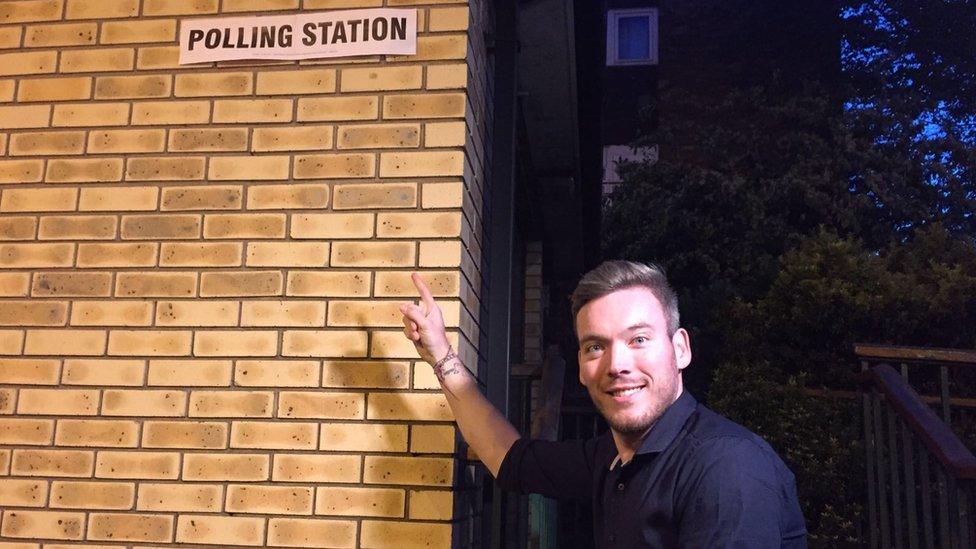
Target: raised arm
x=484 y=428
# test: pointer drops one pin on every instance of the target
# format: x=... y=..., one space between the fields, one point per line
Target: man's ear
x=682 y=348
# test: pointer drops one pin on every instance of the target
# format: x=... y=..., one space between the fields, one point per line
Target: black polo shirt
x=698 y=480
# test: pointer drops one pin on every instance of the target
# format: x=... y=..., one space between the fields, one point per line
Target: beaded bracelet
x=439 y=365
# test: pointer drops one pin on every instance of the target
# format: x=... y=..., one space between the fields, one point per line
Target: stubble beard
x=663 y=395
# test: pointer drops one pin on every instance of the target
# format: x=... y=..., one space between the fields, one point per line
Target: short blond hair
x=611 y=276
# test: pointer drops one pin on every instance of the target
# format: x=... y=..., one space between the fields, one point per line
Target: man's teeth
x=626 y=392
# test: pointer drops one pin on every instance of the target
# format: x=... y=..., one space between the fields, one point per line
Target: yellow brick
x=161 y=57
x=431 y=505
x=23 y=493
x=179 y=498
x=252 y=110
x=11 y=342
x=42 y=524
x=414 y=164
x=103 y=372
x=383 y=535
x=235 y=343
x=119 y=199
x=290 y=532
x=217 y=139
x=308 y=468
x=324 y=343
x=91 y=432
x=58 y=402
x=331 y=4
x=54 y=89
x=431 y=105
x=373 y=254
x=72 y=284
x=210 y=197
x=437 y=47
x=20 y=431
x=224 y=466
x=214 y=84
x=408 y=470
x=231 y=404
x=208 y=254
x=365 y=313
x=286 y=254
x=399 y=284
x=71 y=342
x=332 y=166
x=276 y=373
x=21 y=171
x=448 y=19
x=445 y=134
x=90 y=114
x=273 y=197
x=40 y=313
x=34 y=62
x=382 y=78
x=52 y=463
x=7 y=402
x=156 y=285
x=366 y=502
x=244 y=226
x=418 y=225
x=111 y=313
x=4 y=461
x=190 y=373
x=278 y=500
x=84 y=170
x=92 y=495
x=197 y=313
x=72 y=34
x=117 y=255
x=385 y=374
x=210 y=529
x=258 y=5
x=260 y=283
x=160 y=226
x=148 y=403
x=312 y=109
x=137 y=465
x=30 y=10
x=7 y=88
x=169 y=112
x=149 y=342
x=440 y=254
x=132 y=87
x=304 y=138
x=379 y=136
x=363 y=437
x=132 y=32
x=394 y=345
x=164 y=168
x=14 y=284
x=412 y=406
x=291 y=82
x=184 y=434
x=274 y=435
x=432 y=439
x=97 y=60
x=447 y=77
x=178 y=7
x=332 y=226
x=99 y=9
x=328 y=284
x=10 y=36
x=27 y=116
x=321 y=405
x=386 y=195
x=283 y=313
x=81 y=227
x=126 y=141
x=443 y=195
x=130 y=527
x=248 y=167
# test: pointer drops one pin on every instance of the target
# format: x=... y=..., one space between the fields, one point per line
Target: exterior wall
x=199 y=274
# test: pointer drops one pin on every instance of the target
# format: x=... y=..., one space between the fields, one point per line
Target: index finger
x=424 y=291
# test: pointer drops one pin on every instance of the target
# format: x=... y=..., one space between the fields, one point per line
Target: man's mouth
x=623 y=392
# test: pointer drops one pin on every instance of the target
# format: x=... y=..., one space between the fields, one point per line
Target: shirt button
x=620 y=487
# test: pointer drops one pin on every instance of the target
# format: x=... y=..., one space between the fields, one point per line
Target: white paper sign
x=300 y=36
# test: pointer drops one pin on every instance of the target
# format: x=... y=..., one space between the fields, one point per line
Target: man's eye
x=641 y=340
x=593 y=348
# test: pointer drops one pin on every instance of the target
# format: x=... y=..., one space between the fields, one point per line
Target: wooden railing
x=921 y=476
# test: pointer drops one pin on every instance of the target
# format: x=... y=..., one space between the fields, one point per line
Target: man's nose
x=619 y=360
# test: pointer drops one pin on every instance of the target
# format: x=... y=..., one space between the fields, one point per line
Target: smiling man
x=670 y=472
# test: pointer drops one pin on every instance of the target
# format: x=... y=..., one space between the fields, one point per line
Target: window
x=632 y=37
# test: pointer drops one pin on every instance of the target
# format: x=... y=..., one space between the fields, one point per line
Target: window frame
x=613 y=18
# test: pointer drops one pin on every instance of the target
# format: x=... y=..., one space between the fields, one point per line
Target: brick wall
x=199 y=273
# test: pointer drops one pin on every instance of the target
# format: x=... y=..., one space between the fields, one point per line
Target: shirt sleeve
x=561 y=470
x=738 y=494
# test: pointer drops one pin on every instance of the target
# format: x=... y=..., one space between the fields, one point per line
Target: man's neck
x=628 y=443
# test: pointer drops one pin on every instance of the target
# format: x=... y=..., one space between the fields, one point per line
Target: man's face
x=628 y=363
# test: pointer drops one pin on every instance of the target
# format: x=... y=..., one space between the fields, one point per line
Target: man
x=670 y=473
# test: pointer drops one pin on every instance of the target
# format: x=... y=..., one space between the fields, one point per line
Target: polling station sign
x=300 y=36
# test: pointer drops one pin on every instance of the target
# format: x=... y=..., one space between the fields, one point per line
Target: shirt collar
x=667 y=426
